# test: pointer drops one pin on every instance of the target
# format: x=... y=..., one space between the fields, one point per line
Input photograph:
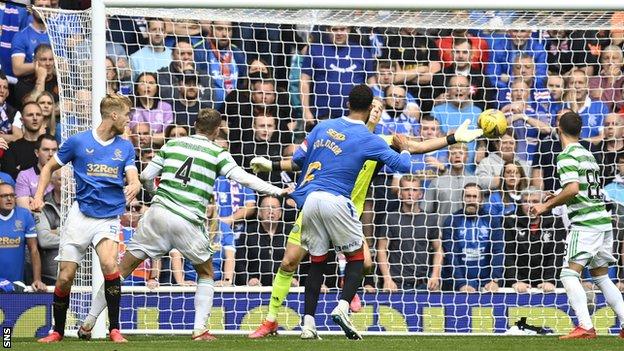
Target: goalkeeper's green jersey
x=364 y=179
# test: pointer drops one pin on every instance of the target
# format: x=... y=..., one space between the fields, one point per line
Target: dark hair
x=207 y=121
x=43 y=137
x=570 y=123
x=3 y=76
x=384 y=64
x=461 y=40
x=41 y=48
x=473 y=185
x=156 y=96
x=171 y=127
x=522 y=184
x=360 y=98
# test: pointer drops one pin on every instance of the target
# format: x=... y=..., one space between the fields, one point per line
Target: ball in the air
x=493 y=123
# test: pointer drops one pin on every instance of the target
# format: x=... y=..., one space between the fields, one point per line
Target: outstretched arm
x=251 y=181
x=462 y=134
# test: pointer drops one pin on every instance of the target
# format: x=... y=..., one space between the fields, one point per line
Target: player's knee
x=291 y=260
x=65 y=278
x=108 y=266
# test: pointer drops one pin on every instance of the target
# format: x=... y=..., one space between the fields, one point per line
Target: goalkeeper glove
x=465 y=135
x=261 y=165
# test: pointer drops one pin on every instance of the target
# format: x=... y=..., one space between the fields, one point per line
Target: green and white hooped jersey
x=586 y=210
x=190 y=166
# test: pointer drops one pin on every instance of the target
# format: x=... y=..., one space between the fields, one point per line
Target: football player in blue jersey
x=103 y=162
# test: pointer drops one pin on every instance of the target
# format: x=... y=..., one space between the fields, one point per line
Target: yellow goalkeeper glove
x=465 y=135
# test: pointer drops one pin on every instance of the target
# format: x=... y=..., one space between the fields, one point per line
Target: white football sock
x=308 y=321
x=203 y=303
x=613 y=296
x=577 y=298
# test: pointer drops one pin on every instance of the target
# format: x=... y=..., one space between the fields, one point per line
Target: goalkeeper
x=295 y=252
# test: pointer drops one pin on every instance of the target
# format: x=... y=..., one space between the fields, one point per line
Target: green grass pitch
x=333 y=343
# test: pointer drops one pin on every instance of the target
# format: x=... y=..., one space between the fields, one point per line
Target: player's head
x=115 y=109
x=7 y=198
x=570 y=125
x=208 y=122
x=361 y=100
x=472 y=198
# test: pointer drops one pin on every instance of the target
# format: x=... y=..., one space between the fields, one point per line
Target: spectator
x=606 y=150
x=534 y=246
x=592 y=112
x=429 y=166
x=141 y=137
x=153 y=56
x=553 y=103
x=28 y=179
x=514 y=182
x=235 y=202
x=528 y=125
x=259 y=253
x=481 y=92
x=17 y=230
x=473 y=244
x=49 y=110
x=504 y=52
x=112 y=77
x=43 y=78
x=405 y=242
x=25 y=42
x=149 y=108
x=608 y=85
x=241 y=107
x=223 y=61
x=188 y=101
x=329 y=71
x=417 y=59
x=264 y=143
x=458 y=105
x=48 y=225
x=523 y=68
x=14 y=18
x=173 y=131
x=395 y=118
x=385 y=78
x=9 y=115
x=586 y=47
x=172 y=76
x=477 y=57
x=444 y=194
x=491 y=167
x=21 y=153
x=558 y=46
x=615 y=189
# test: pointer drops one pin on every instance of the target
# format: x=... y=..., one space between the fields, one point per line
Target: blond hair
x=114 y=103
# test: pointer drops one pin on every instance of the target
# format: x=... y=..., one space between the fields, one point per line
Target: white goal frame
x=98 y=40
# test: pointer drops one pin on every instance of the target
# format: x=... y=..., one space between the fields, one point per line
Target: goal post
x=169 y=310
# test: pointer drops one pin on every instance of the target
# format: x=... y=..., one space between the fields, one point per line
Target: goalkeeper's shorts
x=294 y=237
x=591 y=249
x=160 y=230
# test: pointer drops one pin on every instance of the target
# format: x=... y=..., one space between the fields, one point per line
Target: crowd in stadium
x=459 y=222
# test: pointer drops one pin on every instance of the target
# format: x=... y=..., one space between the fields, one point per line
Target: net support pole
x=98 y=79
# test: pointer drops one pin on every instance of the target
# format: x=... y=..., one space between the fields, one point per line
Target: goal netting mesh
x=445 y=262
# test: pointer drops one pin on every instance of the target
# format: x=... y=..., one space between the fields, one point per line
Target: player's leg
x=345 y=231
x=128 y=264
x=579 y=253
x=312 y=293
x=107 y=251
x=203 y=300
x=72 y=248
x=293 y=255
x=60 y=302
x=600 y=274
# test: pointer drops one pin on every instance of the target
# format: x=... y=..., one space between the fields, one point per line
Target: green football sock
x=281 y=285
